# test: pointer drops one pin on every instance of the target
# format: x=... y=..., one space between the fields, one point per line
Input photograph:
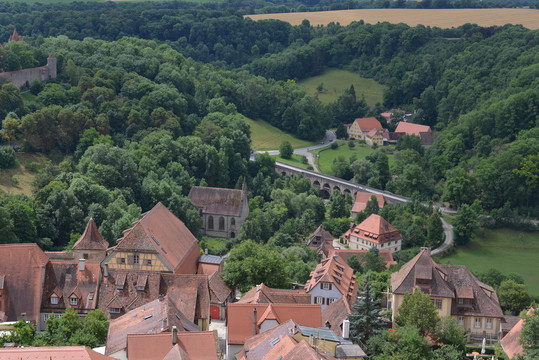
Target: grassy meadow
x=265 y=136
x=327 y=155
x=335 y=81
x=443 y=18
x=18 y=180
x=296 y=160
x=505 y=250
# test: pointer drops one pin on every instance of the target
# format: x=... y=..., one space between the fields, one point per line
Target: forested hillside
x=143 y=118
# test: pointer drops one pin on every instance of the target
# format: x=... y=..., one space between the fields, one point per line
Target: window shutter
x=329 y=286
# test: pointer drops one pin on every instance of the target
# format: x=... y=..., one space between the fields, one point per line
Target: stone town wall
x=26 y=76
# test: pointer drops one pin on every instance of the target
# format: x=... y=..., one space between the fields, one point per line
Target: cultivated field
x=265 y=136
x=335 y=81
x=443 y=18
x=505 y=250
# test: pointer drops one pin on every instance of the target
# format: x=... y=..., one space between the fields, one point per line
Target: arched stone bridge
x=327 y=184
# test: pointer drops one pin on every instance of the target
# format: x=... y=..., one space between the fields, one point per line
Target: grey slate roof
x=210 y=259
x=322 y=333
x=346 y=351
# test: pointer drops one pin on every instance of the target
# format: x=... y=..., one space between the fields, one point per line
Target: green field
x=18 y=180
x=265 y=136
x=505 y=250
x=296 y=160
x=336 y=81
x=327 y=155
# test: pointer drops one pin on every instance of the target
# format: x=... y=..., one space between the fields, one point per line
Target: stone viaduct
x=327 y=184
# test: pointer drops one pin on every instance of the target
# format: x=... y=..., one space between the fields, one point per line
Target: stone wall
x=26 y=76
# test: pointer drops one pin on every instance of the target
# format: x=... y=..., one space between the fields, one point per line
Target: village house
x=159 y=241
x=181 y=345
x=378 y=137
x=455 y=292
x=362 y=198
x=375 y=232
x=246 y=320
x=220 y=296
x=208 y=264
x=321 y=241
x=423 y=131
x=361 y=126
x=334 y=315
x=22 y=274
x=263 y=294
x=331 y=280
x=222 y=210
x=511 y=341
x=69 y=285
x=158 y=316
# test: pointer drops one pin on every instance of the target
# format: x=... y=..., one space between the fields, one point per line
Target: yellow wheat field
x=443 y=18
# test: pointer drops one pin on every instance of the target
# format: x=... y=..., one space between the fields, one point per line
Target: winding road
x=330 y=138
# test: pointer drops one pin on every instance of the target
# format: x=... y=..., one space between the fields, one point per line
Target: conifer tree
x=366 y=318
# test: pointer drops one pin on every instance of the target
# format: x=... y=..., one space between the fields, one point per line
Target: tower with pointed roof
x=90 y=246
x=15 y=37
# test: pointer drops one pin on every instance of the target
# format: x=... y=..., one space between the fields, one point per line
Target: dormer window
x=54 y=299
x=73 y=301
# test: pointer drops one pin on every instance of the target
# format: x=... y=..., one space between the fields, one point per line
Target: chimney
x=257 y=288
x=346 y=329
x=427 y=249
x=174 y=335
x=82 y=264
x=254 y=321
x=106 y=270
x=206 y=251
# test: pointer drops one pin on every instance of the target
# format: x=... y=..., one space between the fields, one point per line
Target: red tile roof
x=335 y=314
x=338 y=273
x=52 y=353
x=217 y=201
x=64 y=279
x=511 y=342
x=219 y=291
x=15 y=36
x=162 y=231
x=22 y=267
x=344 y=254
x=362 y=198
x=91 y=239
x=411 y=128
x=367 y=124
x=129 y=297
x=189 y=293
x=442 y=281
x=240 y=317
x=376 y=229
x=264 y=294
x=196 y=345
x=176 y=353
x=155 y=317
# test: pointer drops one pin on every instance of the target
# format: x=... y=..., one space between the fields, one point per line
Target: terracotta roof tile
x=362 y=198
x=219 y=291
x=376 y=229
x=217 y=201
x=190 y=293
x=240 y=317
x=161 y=231
x=264 y=294
x=511 y=342
x=129 y=297
x=176 y=353
x=335 y=314
x=155 y=317
x=367 y=124
x=91 y=239
x=22 y=284
x=303 y=351
x=197 y=345
x=52 y=353
x=508 y=322
x=65 y=279
x=328 y=271
x=411 y=128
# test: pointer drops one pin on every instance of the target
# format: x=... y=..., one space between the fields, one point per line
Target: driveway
x=448 y=231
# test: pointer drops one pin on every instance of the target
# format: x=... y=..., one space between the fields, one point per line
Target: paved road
x=448 y=231
x=330 y=137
